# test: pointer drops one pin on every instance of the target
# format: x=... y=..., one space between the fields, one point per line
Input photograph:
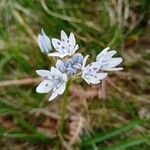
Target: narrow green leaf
x=24 y=124
x=25 y=137
x=19 y=120
x=104 y=136
x=128 y=143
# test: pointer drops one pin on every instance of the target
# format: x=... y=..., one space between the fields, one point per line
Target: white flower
x=64 y=47
x=55 y=82
x=44 y=42
x=106 y=61
x=56 y=79
x=92 y=73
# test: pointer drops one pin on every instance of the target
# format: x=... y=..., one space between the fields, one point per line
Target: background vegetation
x=113 y=120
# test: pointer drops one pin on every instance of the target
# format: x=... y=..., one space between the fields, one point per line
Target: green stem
x=64 y=107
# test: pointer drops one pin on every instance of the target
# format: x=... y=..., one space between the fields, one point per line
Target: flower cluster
x=71 y=63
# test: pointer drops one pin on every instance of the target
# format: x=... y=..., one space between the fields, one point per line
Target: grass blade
x=24 y=124
x=128 y=143
x=36 y=137
x=101 y=137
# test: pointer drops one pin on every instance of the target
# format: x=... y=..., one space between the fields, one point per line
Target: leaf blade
x=105 y=136
x=128 y=143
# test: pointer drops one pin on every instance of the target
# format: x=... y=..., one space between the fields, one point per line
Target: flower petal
x=55 y=71
x=109 y=54
x=77 y=58
x=53 y=95
x=75 y=48
x=76 y=66
x=91 y=80
x=58 y=45
x=113 y=62
x=113 y=69
x=71 y=71
x=101 y=76
x=72 y=42
x=84 y=61
x=44 y=87
x=57 y=54
x=62 y=88
x=44 y=73
x=44 y=42
x=103 y=52
x=64 y=77
x=60 y=65
x=64 y=37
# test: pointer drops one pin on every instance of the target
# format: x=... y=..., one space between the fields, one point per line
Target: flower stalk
x=64 y=106
x=72 y=66
x=103 y=91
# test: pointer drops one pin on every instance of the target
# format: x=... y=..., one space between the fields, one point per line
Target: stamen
x=58 y=43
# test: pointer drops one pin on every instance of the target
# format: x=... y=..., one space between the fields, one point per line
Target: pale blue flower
x=93 y=74
x=55 y=82
x=64 y=47
x=71 y=66
x=44 y=42
x=60 y=65
x=75 y=64
x=106 y=61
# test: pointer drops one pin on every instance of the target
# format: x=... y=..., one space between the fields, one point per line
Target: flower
x=64 y=47
x=93 y=74
x=44 y=42
x=106 y=61
x=55 y=82
x=71 y=66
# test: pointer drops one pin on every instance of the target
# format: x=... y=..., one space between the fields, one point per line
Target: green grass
x=129 y=143
x=102 y=137
x=35 y=137
x=96 y=24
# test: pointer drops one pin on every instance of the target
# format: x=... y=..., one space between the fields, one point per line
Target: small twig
x=20 y=82
x=119 y=13
x=39 y=111
x=64 y=143
x=26 y=11
x=127 y=94
x=78 y=130
x=89 y=24
x=19 y=18
x=60 y=16
x=117 y=116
